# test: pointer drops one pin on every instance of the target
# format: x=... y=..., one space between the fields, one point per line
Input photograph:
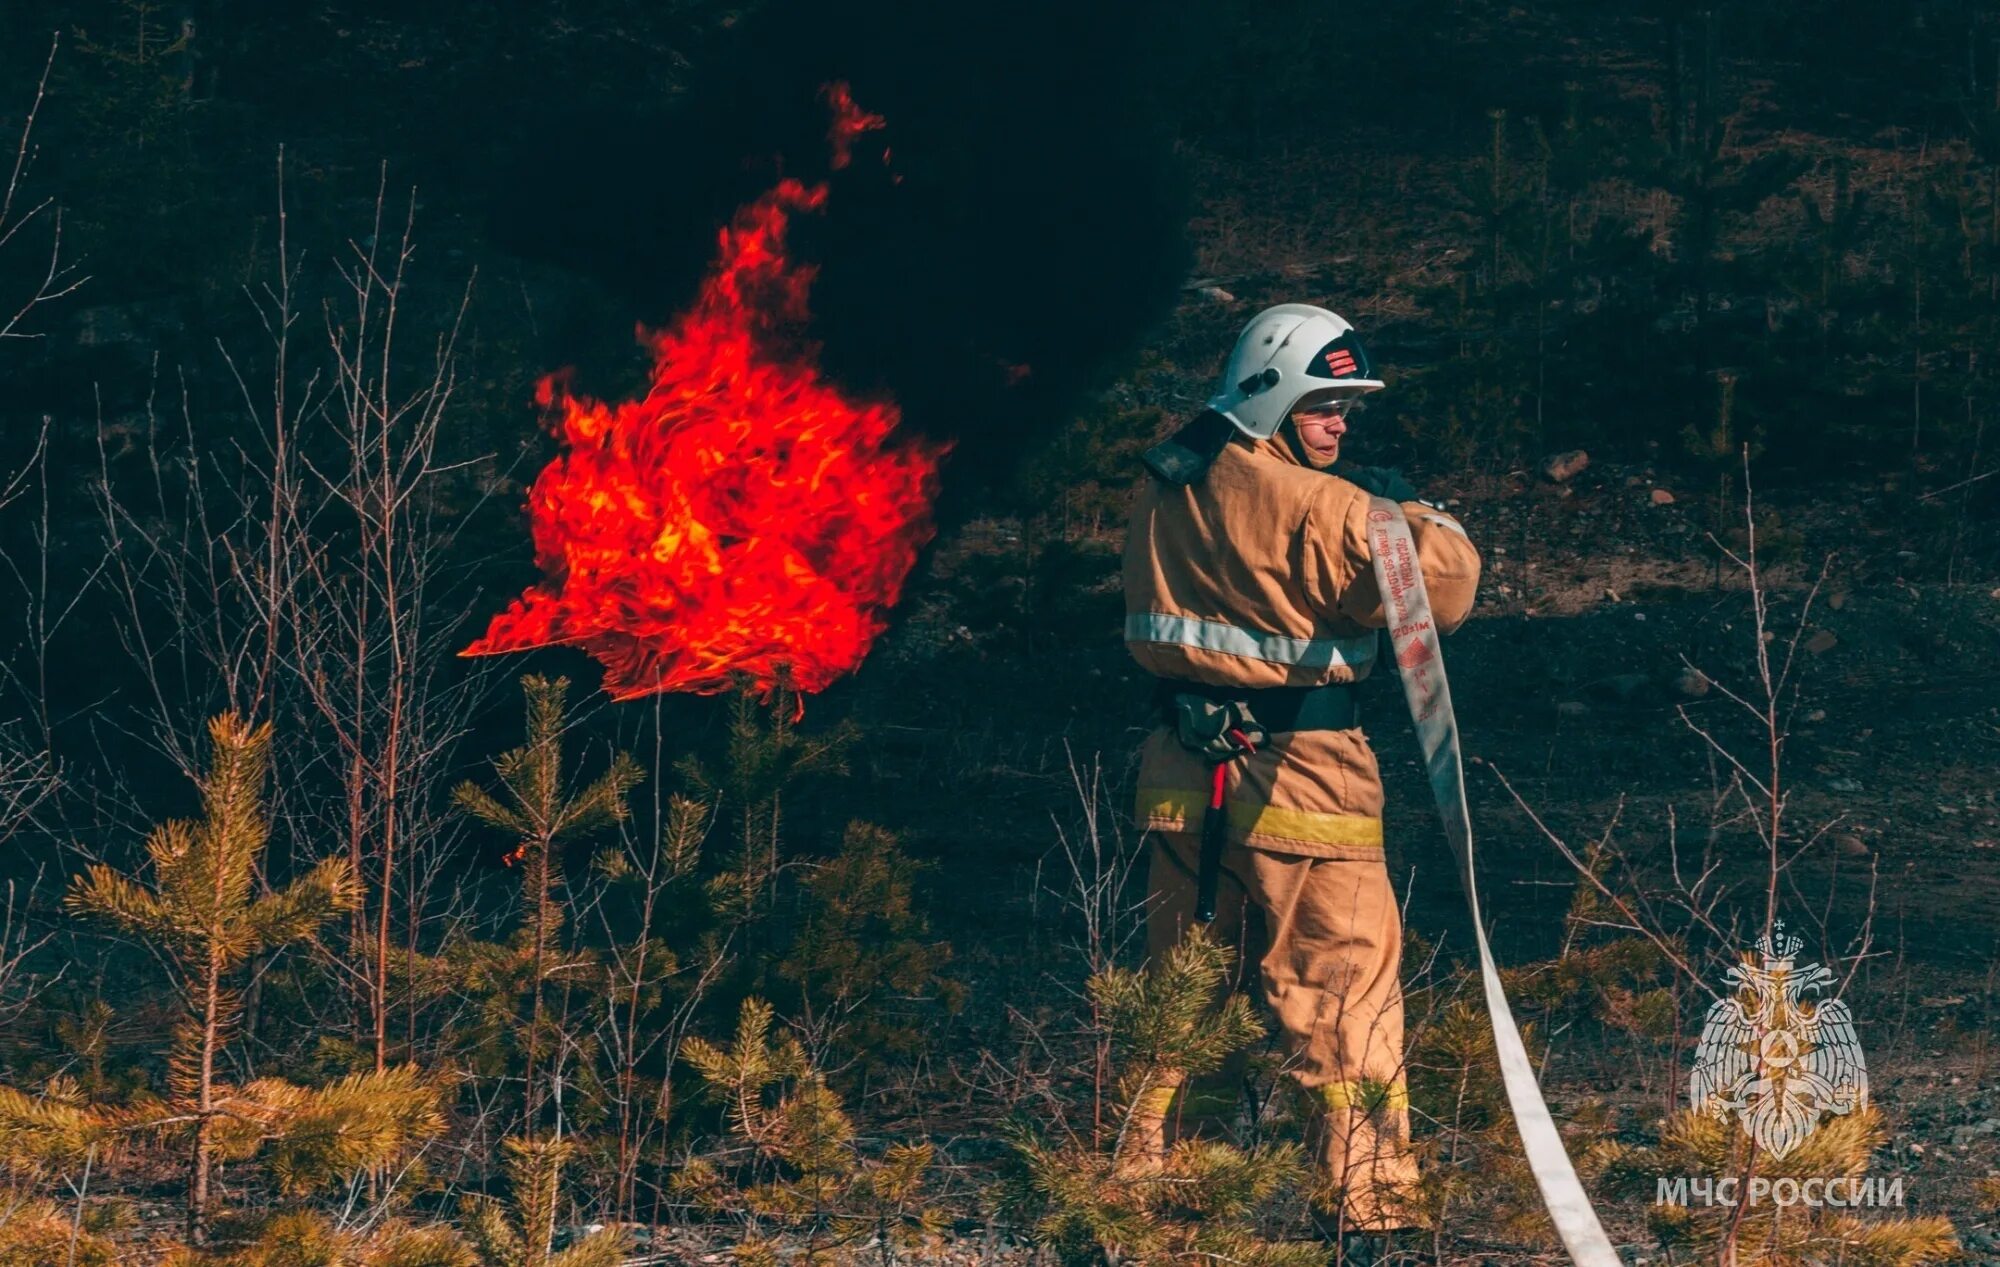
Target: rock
x=1572 y=708
x=1638 y=615
x=1851 y=846
x=1661 y=497
x=1842 y=784
x=1816 y=716
x=1691 y=683
x=1838 y=599
x=1822 y=642
x=1217 y=294
x=565 y=1237
x=1561 y=467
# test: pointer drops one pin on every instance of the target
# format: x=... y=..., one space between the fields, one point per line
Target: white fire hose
x=1415 y=638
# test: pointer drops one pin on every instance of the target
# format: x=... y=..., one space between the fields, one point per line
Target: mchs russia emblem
x=1776 y=1052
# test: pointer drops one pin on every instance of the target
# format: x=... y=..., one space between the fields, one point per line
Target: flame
x=745 y=517
x=849 y=122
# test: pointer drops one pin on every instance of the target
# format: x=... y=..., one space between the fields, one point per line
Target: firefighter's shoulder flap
x=1185 y=456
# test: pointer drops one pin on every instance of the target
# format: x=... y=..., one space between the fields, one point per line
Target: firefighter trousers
x=1323 y=939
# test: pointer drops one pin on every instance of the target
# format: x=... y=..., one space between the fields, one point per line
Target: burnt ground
x=1007 y=680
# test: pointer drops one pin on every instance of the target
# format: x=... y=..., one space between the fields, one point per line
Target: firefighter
x=1249 y=595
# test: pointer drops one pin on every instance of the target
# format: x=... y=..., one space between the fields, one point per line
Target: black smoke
x=1026 y=232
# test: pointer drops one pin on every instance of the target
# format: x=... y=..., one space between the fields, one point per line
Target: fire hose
x=1414 y=637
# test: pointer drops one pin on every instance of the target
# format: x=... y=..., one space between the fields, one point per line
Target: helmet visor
x=1345 y=400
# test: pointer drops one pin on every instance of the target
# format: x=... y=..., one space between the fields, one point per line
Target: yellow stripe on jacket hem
x=1183 y=809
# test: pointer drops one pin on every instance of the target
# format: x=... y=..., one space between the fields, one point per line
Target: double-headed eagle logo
x=1775 y=1054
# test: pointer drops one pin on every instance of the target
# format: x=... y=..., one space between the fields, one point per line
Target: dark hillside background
x=1562 y=224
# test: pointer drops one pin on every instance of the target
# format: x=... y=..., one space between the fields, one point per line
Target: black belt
x=1277 y=708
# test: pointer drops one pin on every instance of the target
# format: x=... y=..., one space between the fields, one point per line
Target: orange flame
x=744 y=517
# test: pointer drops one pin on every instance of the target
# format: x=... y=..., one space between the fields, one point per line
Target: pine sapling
x=522 y=1233
x=202 y=910
x=542 y=817
x=804 y=1173
x=1143 y=1200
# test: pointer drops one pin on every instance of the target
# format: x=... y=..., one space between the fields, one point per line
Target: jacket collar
x=1278 y=448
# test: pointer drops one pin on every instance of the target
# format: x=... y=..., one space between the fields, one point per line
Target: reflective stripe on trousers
x=1366 y=1094
x=1184 y=809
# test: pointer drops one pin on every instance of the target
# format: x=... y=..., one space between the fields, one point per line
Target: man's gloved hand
x=1382 y=481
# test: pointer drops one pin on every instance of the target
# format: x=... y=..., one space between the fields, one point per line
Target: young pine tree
x=202 y=911
x=306 y=1238
x=542 y=818
x=805 y=1176
x=1140 y=1201
x=862 y=948
x=524 y=1236
x=767 y=756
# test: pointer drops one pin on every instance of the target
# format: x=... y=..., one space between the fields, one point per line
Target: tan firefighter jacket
x=1259 y=575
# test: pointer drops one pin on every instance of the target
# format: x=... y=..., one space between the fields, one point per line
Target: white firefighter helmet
x=1290 y=355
